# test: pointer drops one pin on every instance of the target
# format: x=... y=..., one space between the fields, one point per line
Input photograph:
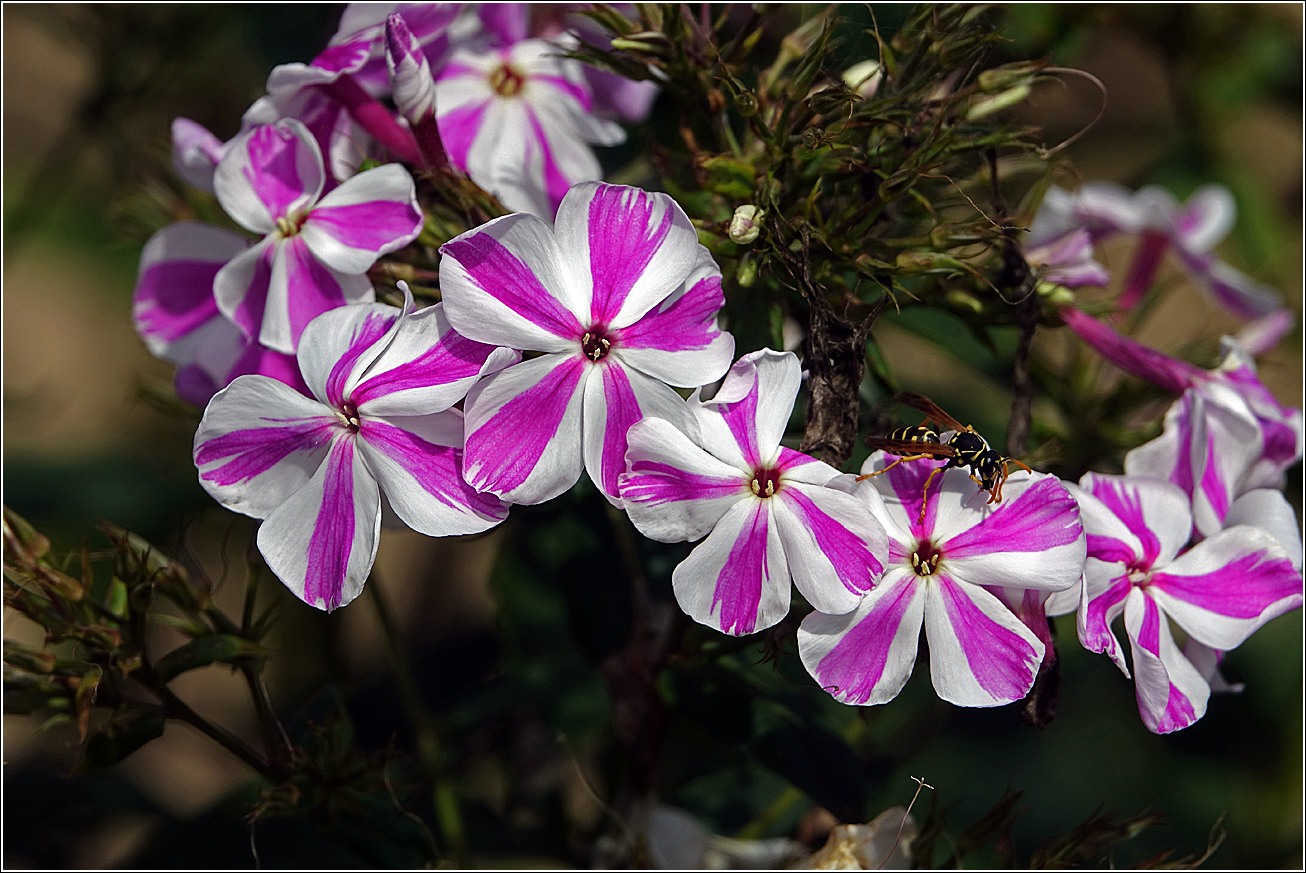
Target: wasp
x=965 y=448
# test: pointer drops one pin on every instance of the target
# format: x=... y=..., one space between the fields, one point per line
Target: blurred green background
x=512 y=630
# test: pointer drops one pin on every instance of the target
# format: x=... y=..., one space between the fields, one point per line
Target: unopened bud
x=863 y=79
x=988 y=105
x=746 y=104
x=963 y=300
x=746 y=224
x=1054 y=294
x=746 y=274
x=410 y=74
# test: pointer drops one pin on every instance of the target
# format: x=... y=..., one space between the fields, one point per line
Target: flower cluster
x=1197 y=531
x=569 y=333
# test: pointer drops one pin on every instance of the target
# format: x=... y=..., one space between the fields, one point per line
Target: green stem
x=179 y=709
x=444 y=799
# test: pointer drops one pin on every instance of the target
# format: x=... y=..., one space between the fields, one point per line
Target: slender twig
x=177 y=708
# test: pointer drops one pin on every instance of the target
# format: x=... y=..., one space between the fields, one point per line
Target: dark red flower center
x=765 y=482
x=595 y=343
x=925 y=560
x=349 y=416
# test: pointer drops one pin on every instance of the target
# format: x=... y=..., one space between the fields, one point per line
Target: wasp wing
x=907 y=448
x=929 y=409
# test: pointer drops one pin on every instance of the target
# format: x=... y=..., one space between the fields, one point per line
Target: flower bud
x=988 y=105
x=410 y=74
x=746 y=274
x=746 y=224
x=864 y=78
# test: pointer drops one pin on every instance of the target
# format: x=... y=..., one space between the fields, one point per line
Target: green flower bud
x=746 y=224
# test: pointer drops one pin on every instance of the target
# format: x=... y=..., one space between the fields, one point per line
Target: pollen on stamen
x=765 y=483
x=595 y=345
x=506 y=81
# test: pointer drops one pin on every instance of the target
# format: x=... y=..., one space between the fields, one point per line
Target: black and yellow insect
x=965 y=448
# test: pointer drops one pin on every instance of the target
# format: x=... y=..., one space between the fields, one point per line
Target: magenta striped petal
x=1033 y=539
x=902 y=491
x=259 y=442
x=195 y=153
x=865 y=658
x=505 y=283
x=459 y=128
x=306 y=288
x=835 y=548
x=980 y=653
x=422 y=479
x=742 y=425
x=322 y=541
x=1134 y=358
x=636 y=248
x=436 y=378
x=1171 y=692
x=616 y=398
x=679 y=341
x=523 y=428
x=273 y=171
x=370 y=214
x=672 y=489
x=736 y=580
x=1227 y=586
x=174 y=288
x=1107 y=586
x=1268 y=510
x=556 y=183
x=1155 y=512
x=339 y=346
x=241 y=288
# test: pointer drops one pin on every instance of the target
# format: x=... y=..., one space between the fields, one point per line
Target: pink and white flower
x=378 y=426
x=1220 y=591
x=768 y=516
x=1233 y=395
x=177 y=316
x=317 y=249
x=950 y=572
x=520 y=121
x=1191 y=231
x=621 y=300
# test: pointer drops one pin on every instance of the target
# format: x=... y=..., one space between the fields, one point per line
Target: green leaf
x=214 y=648
x=726 y=176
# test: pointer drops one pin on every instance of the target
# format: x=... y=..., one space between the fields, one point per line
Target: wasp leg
x=925 y=494
x=891 y=466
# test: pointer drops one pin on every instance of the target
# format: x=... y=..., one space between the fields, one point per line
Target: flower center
x=1139 y=575
x=765 y=482
x=595 y=343
x=348 y=415
x=288 y=225
x=925 y=560
x=506 y=81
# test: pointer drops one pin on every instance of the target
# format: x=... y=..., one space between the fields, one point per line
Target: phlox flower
x=377 y=427
x=317 y=245
x=520 y=120
x=954 y=572
x=768 y=516
x=176 y=314
x=1219 y=591
x=1233 y=395
x=1190 y=231
x=621 y=300
x=615 y=96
